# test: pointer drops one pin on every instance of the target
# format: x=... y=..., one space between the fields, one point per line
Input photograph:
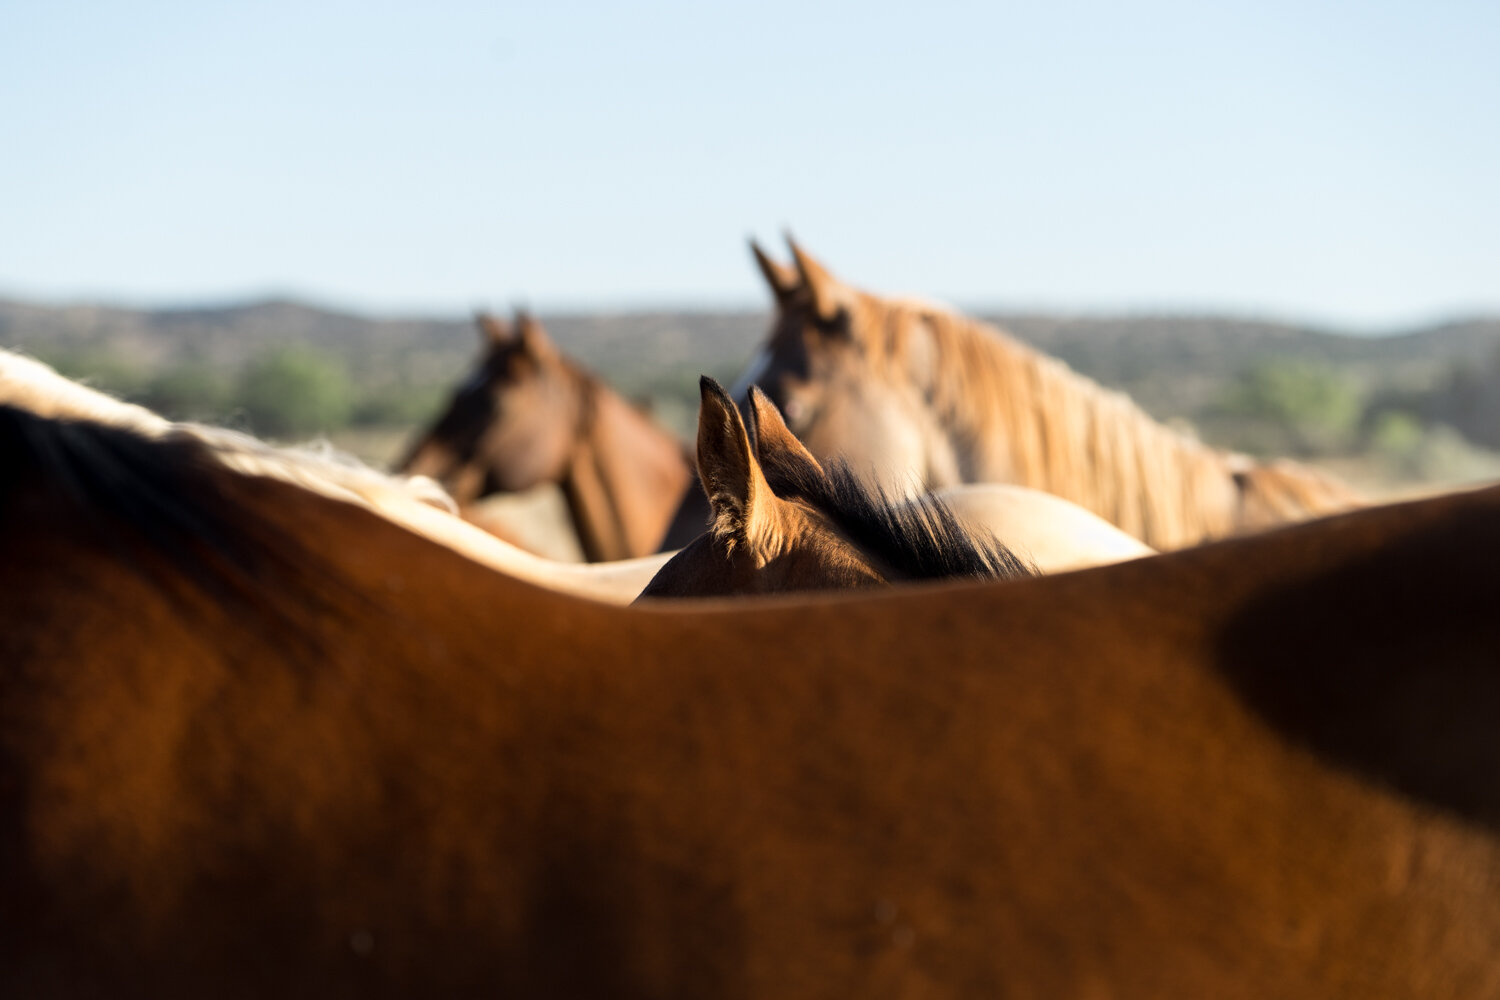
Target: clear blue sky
x=1337 y=162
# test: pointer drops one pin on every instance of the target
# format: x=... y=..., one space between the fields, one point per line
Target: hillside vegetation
x=1416 y=407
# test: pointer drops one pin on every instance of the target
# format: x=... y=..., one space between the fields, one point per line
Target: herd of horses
x=911 y=396
x=276 y=724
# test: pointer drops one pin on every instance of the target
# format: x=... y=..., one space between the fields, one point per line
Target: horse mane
x=1273 y=492
x=1056 y=430
x=33 y=386
x=921 y=538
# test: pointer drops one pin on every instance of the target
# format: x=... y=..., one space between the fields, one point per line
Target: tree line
x=283 y=392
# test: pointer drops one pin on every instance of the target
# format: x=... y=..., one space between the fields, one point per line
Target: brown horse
x=260 y=741
x=781 y=522
x=416 y=503
x=530 y=415
x=914 y=393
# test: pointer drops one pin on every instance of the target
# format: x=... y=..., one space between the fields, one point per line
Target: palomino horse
x=258 y=740
x=781 y=522
x=912 y=391
x=530 y=415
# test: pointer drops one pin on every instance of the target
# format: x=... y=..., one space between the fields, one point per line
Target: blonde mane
x=1020 y=416
x=32 y=385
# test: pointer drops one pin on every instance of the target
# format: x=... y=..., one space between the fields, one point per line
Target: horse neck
x=1016 y=415
x=624 y=480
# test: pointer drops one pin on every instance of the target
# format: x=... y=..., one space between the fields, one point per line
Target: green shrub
x=398 y=406
x=294 y=391
x=1314 y=408
x=190 y=391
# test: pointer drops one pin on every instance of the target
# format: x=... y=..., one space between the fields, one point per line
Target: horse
x=537 y=520
x=258 y=739
x=1051 y=538
x=527 y=415
x=416 y=503
x=908 y=390
x=781 y=522
x=1049 y=532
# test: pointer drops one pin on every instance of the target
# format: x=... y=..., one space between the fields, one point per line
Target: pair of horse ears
x=524 y=331
x=829 y=295
x=734 y=471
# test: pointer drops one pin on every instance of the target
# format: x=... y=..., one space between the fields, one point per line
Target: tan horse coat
x=923 y=396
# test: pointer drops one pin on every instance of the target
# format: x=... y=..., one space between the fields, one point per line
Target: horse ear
x=783 y=280
x=493 y=332
x=781 y=455
x=532 y=337
x=738 y=495
x=828 y=294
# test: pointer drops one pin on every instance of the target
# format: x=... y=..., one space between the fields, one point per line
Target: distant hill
x=1410 y=408
x=633 y=349
x=1173 y=365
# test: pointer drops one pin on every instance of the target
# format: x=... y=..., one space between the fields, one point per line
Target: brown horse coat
x=781 y=522
x=528 y=415
x=256 y=741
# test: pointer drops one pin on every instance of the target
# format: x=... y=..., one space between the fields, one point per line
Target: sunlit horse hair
x=34 y=386
x=989 y=408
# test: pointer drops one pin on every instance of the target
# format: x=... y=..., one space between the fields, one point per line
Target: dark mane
x=922 y=539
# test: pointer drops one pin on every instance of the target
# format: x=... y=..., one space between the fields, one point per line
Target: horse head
x=850 y=381
x=781 y=521
x=511 y=424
